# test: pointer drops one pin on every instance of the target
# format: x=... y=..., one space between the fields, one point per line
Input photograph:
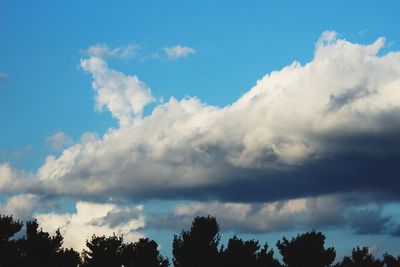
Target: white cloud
x=122 y=52
x=178 y=51
x=20 y=206
x=92 y=218
x=290 y=120
x=59 y=140
x=124 y=96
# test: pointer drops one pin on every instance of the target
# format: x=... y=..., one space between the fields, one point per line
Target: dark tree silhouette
x=39 y=248
x=306 y=250
x=360 y=258
x=241 y=253
x=391 y=261
x=266 y=258
x=197 y=247
x=68 y=258
x=9 y=251
x=143 y=253
x=103 y=252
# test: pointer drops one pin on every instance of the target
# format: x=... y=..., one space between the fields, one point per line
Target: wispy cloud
x=59 y=141
x=178 y=51
x=122 y=52
x=3 y=76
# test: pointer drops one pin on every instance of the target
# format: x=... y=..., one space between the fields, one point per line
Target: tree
x=68 y=258
x=306 y=250
x=9 y=250
x=39 y=248
x=143 y=253
x=266 y=258
x=360 y=257
x=241 y=253
x=103 y=252
x=197 y=247
x=391 y=261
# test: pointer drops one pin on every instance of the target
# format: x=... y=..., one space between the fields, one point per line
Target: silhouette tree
x=391 y=261
x=68 y=258
x=9 y=250
x=103 y=252
x=39 y=248
x=360 y=258
x=306 y=250
x=143 y=253
x=197 y=247
x=241 y=253
x=266 y=258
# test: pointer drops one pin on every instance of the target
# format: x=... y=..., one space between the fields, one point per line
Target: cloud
x=242 y=217
x=178 y=51
x=395 y=231
x=3 y=76
x=59 y=140
x=124 y=96
x=103 y=51
x=325 y=212
x=368 y=221
x=92 y=218
x=330 y=126
x=302 y=213
x=20 y=206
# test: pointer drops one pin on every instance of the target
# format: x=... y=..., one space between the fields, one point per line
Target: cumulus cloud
x=59 y=140
x=123 y=95
x=20 y=206
x=178 y=51
x=13 y=180
x=326 y=127
x=92 y=218
x=121 y=52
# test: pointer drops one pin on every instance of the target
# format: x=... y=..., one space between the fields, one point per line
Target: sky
x=133 y=117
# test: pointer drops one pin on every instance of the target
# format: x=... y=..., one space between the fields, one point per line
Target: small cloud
x=3 y=76
x=59 y=141
x=122 y=52
x=178 y=51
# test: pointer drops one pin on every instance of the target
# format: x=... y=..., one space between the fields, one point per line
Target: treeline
x=197 y=247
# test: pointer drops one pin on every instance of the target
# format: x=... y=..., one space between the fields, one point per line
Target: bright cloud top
x=325 y=127
x=178 y=51
x=90 y=218
x=124 y=96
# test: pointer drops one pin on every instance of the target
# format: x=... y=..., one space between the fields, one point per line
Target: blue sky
x=347 y=161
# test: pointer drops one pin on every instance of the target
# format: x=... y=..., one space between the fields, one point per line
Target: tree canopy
x=306 y=250
x=198 y=246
